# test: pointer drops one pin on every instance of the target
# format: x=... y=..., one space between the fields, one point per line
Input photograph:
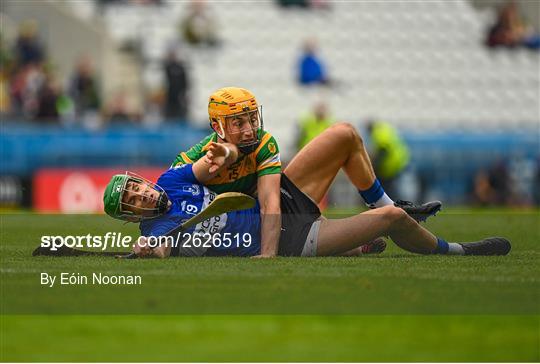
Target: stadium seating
x=420 y=65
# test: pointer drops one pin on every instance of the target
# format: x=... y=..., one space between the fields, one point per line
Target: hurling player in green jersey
x=241 y=176
x=236 y=119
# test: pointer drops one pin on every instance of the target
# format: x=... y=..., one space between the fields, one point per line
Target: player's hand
x=216 y=156
x=141 y=247
x=161 y=252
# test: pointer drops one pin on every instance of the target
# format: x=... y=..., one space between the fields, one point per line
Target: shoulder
x=268 y=145
x=195 y=152
x=205 y=141
x=182 y=173
x=267 y=155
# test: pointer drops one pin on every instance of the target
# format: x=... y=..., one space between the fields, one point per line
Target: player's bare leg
x=342 y=235
x=377 y=246
x=315 y=167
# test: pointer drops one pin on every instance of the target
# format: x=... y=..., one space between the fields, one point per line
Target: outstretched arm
x=218 y=157
x=143 y=249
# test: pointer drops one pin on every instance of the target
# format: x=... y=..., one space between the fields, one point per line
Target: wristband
x=227 y=153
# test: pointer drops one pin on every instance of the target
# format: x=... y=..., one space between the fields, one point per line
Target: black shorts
x=298 y=213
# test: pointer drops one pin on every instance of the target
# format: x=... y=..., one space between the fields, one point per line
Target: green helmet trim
x=118 y=209
x=112 y=197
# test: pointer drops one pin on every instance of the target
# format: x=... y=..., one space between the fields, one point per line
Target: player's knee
x=348 y=132
x=395 y=215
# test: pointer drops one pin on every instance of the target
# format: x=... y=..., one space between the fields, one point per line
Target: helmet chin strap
x=222 y=135
x=249 y=148
x=162 y=203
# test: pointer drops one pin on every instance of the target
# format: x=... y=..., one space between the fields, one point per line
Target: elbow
x=271 y=208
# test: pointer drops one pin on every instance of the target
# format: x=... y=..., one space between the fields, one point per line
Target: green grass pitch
x=393 y=307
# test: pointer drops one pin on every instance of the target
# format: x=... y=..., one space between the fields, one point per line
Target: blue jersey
x=188 y=198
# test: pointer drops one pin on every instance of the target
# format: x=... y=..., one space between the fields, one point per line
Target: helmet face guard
x=117 y=207
x=236 y=111
x=249 y=121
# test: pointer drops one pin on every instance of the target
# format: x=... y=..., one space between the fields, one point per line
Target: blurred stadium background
x=84 y=90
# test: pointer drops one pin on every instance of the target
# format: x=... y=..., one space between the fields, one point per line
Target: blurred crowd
x=31 y=89
x=510 y=30
x=28 y=88
x=508 y=182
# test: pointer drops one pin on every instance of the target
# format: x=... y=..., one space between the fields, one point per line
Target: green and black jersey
x=242 y=175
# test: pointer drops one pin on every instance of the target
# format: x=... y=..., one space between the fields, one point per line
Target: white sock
x=383 y=201
x=455 y=249
x=371 y=195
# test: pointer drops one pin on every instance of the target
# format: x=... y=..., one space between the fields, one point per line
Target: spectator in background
x=28 y=73
x=129 y=2
x=154 y=102
x=390 y=155
x=296 y=3
x=311 y=69
x=83 y=88
x=5 y=102
x=25 y=87
x=176 y=99
x=146 y=2
x=47 y=102
x=313 y=124
x=28 y=48
x=199 y=25
x=511 y=31
x=118 y=111
x=493 y=187
x=6 y=68
x=307 y=4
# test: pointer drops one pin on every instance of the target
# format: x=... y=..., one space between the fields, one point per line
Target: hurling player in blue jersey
x=180 y=193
